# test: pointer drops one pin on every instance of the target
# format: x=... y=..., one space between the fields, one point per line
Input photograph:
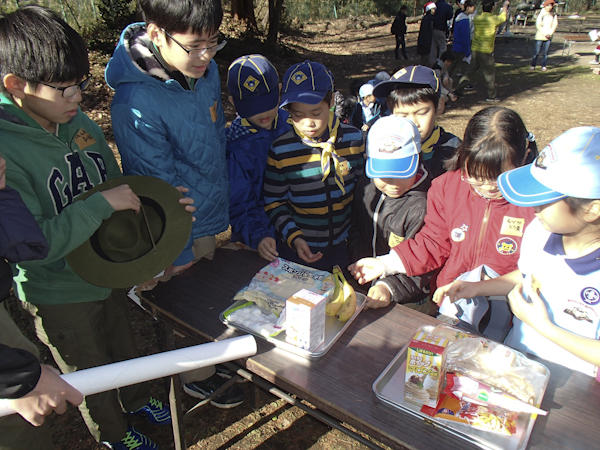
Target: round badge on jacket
x=129 y=248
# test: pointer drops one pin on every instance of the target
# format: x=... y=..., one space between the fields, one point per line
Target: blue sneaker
x=155 y=412
x=133 y=440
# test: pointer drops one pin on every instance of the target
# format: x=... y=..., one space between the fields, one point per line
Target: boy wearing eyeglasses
x=168 y=123
x=54 y=154
x=167 y=115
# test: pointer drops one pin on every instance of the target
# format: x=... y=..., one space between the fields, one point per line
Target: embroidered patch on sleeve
x=394 y=240
x=512 y=226
x=84 y=139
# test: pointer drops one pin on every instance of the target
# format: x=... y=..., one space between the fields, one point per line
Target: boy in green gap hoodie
x=54 y=154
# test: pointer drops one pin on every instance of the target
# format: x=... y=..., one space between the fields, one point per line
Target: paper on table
x=137 y=370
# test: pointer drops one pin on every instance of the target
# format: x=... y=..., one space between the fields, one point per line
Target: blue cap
x=250 y=77
x=393 y=147
x=409 y=77
x=307 y=82
x=567 y=167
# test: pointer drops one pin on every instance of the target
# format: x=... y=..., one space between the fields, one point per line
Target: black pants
x=400 y=41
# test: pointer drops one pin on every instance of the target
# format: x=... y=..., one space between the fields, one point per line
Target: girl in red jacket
x=468 y=222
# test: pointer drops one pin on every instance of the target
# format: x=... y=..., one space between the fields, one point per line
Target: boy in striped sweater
x=311 y=172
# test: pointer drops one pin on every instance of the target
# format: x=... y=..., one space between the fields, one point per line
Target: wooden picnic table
x=339 y=384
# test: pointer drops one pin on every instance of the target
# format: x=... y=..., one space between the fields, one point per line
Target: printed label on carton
x=305 y=320
x=424 y=366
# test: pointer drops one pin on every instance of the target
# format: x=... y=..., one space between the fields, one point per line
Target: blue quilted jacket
x=167 y=131
x=247 y=149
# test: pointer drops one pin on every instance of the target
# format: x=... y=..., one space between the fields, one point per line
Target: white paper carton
x=305 y=320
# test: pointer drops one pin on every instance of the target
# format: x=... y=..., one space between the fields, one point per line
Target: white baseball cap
x=393 y=147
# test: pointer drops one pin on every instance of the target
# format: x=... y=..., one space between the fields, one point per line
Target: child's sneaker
x=544 y=69
x=133 y=440
x=155 y=412
x=229 y=398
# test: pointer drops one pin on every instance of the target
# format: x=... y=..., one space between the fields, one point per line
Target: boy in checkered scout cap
x=254 y=86
x=311 y=172
x=389 y=207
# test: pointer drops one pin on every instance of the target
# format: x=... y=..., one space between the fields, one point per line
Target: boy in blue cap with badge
x=311 y=172
x=253 y=85
x=389 y=206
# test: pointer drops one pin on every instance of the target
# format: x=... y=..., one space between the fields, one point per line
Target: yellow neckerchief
x=253 y=129
x=428 y=145
x=328 y=153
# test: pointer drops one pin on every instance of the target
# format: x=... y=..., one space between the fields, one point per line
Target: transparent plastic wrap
x=498 y=366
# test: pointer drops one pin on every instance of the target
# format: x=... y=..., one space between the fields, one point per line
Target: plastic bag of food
x=279 y=280
x=498 y=366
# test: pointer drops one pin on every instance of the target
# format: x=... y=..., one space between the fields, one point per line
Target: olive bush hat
x=129 y=248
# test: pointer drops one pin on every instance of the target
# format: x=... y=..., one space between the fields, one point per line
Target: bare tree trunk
x=243 y=10
x=275 y=7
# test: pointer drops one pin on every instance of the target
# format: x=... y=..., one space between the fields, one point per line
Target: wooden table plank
x=340 y=383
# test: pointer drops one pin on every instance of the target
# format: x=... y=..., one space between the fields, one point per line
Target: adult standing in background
x=545 y=25
x=482 y=49
x=443 y=14
x=399 y=30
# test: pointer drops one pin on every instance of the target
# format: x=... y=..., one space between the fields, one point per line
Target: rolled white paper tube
x=137 y=370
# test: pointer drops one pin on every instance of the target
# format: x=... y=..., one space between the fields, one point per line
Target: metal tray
x=389 y=388
x=333 y=330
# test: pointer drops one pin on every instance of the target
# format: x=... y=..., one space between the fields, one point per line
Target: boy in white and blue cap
x=253 y=85
x=311 y=172
x=367 y=109
x=389 y=206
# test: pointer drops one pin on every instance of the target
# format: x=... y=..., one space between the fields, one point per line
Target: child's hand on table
x=267 y=249
x=367 y=269
x=305 y=253
x=379 y=296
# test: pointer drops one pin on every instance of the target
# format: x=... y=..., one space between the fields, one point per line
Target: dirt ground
x=566 y=96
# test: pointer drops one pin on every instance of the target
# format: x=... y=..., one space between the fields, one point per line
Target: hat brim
x=100 y=271
x=307 y=97
x=258 y=104
x=520 y=188
x=392 y=168
x=385 y=87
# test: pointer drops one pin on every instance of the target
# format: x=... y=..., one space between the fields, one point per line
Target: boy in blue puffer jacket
x=168 y=122
x=253 y=85
x=167 y=115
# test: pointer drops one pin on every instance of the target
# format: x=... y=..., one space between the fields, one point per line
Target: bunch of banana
x=343 y=300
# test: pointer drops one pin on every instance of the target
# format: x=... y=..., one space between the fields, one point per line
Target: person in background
x=253 y=85
x=367 y=110
x=441 y=69
x=443 y=14
x=545 y=25
x=399 y=30
x=482 y=49
x=461 y=45
x=426 y=33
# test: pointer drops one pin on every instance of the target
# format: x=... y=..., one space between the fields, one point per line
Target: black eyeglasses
x=70 y=91
x=196 y=52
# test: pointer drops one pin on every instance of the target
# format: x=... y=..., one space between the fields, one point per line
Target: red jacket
x=464 y=230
